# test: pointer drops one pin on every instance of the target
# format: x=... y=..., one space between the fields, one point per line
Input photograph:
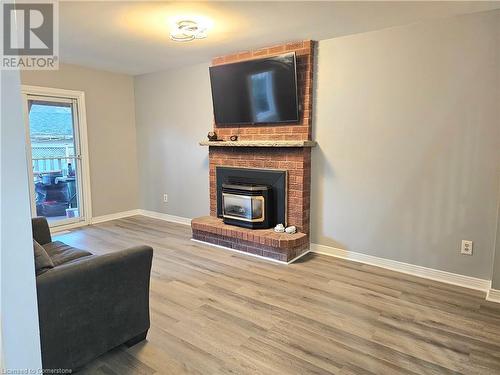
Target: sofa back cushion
x=61 y=253
x=43 y=263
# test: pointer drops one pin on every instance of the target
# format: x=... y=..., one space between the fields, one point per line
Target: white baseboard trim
x=250 y=254
x=152 y=214
x=64 y=228
x=166 y=217
x=493 y=295
x=411 y=269
x=115 y=216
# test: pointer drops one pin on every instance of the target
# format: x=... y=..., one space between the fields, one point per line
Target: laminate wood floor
x=218 y=312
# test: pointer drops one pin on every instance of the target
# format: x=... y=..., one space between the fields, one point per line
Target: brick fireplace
x=284 y=147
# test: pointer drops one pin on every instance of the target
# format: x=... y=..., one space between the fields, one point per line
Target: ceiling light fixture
x=188 y=30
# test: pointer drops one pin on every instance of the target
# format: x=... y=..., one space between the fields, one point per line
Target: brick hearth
x=296 y=160
x=263 y=242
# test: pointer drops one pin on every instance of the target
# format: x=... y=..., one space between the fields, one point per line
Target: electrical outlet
x=165 y=198
x=466 y=247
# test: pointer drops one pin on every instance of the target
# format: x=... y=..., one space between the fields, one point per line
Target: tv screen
x=255 y=91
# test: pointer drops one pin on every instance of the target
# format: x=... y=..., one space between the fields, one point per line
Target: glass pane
x=247 y=208
x=53 y=160
x=237 y=206
x=257 y=208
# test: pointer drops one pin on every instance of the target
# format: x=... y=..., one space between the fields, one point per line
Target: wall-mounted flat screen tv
x=255 y=91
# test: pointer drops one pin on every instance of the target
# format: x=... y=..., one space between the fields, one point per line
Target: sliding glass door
x=56 y=163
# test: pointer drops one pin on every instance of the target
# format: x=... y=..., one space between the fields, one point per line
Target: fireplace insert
x=274 y=180
x=247 y=205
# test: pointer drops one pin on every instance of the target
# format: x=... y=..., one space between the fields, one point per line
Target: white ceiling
x=133 y=37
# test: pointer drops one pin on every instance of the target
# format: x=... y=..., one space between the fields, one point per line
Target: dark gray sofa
x=89 y=304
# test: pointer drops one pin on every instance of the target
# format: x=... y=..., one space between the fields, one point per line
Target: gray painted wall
x=174 y=113
x=407 y=123
x=111 y=131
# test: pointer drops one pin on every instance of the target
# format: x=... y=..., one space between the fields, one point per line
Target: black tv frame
x=297 y=104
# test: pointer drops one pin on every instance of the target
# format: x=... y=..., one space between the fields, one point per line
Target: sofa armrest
x=91 y=305
x=41 y=230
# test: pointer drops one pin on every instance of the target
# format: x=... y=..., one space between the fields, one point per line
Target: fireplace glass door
x=243 y=207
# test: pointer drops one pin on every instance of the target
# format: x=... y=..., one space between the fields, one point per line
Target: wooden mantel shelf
x=258 y=143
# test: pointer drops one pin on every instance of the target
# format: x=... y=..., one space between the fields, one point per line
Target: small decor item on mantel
x=233 y=138
x=291 y=229
x=280 y=228
x=212 y=136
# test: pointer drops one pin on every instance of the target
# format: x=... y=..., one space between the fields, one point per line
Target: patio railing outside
x=47 y=164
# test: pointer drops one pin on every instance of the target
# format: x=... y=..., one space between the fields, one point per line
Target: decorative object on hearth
x=212 y=136
x=291 y=229
x=280 y=228
x=233 y=138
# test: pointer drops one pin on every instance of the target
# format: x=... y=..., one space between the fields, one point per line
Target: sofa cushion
x=60 y=253
x=43 y=263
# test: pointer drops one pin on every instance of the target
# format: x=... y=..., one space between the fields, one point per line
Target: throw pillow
x=43 y=263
